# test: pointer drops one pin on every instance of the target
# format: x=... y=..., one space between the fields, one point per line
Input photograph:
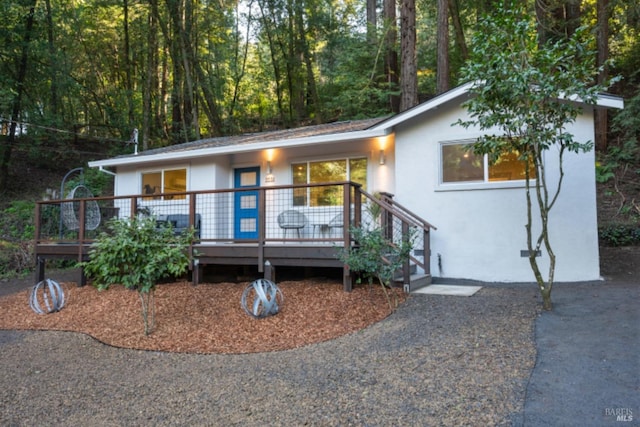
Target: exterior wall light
x=269 y=177
x=383 y=159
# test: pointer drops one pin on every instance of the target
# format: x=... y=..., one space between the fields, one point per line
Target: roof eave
x=239 y=148
x=431 y=104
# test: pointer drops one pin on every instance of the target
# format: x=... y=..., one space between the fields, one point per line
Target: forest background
x=77 y=77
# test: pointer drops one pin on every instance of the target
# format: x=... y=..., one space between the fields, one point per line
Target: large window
x=461 y=165
x=165 y=181
x=326 y=171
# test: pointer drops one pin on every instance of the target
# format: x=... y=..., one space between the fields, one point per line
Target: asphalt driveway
x=587 y=371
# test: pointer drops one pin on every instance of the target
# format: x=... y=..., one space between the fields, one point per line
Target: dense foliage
x=185 y=69
x=16 y=238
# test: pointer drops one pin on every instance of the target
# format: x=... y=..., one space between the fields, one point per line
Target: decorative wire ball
x=46 y=297
x=264 y=297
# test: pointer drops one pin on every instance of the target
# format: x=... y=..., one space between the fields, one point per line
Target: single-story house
x=478 y=210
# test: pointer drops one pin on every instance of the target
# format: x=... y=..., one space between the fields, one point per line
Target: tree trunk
x=442 y=72
x=454 y=12
x=409 y=77
x=313 y=99
x=53 y=64
x=391 y=55
x=273 y=49
x=128 y=69
x=149 y=79
x=372 y=21
x=240 y=62
x=603 y=54
x=547 y=305
x=557 y=19
x=573 y=16
x=16 y=111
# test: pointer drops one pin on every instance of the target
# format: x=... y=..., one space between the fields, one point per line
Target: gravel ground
x=490 y=359
x=436 y=361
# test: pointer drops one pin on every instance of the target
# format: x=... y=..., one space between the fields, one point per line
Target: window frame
x=485 y=184
x=308 y=162
x=162 y=172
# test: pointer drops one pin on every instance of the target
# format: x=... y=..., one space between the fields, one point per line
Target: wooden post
x=406 y=266
x=196 y=271
x=427 y=251
x=387 y=217
x=346 y=233
x=269 y=272
x=40 y=264
x=81 y=229
x=347 y=284
x=83 y=278
x=262 y=225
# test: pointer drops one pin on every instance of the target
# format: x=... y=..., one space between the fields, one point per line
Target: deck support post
x=196 y=272
x=83 y=278
x=269 y=272
x=40 y=269
x=346 y=279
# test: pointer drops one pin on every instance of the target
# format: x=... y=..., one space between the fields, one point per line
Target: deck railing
x=287 y=214
x=232 y=215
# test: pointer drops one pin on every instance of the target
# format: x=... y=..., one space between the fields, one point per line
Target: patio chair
x=292 y=220
x=326 y=229
x=336 y=222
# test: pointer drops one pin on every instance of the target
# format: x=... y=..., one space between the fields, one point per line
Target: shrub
x=620 y=235
x=375 y=257
x=15 y=258
x=136 y=254
x=16 y=221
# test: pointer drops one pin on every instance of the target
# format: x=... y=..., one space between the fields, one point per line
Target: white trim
x=240 y=148
x=493 y=185
x=431 y=104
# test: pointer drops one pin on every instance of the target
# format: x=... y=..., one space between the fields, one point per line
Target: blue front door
x=245 y=223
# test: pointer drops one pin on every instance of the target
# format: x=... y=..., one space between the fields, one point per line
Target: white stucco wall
x=216 y=172
x=481 y=230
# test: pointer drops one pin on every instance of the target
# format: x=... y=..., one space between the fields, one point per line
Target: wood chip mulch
x=207 y=318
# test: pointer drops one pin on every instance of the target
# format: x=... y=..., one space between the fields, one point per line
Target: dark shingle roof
x=276 y=135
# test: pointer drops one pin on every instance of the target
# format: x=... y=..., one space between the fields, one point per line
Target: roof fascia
x=431 y=104
x=603 y=100
x=606 y=100
x=240 y=148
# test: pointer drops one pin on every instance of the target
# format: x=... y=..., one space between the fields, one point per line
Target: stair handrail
x=401 y=212
x=408 y=218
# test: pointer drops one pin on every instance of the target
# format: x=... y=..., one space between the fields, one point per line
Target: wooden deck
x=269 y=249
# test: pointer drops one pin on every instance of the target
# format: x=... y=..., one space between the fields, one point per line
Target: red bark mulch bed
x=207 y=318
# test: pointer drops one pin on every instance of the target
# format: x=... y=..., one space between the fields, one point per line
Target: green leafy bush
x=136 y=254
x=17 y=232
x=16 y=221
x=620 y=235
x=375 y=257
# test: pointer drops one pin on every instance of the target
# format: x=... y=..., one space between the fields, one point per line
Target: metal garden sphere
x=264 y=297
x=47 y=293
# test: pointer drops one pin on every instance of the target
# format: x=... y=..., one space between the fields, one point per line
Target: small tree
x=375 y=257
x=523 y=90
x=136 y=254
